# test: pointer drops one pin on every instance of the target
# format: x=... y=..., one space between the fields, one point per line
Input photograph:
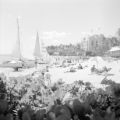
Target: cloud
x=54 y=37
x=54 y=34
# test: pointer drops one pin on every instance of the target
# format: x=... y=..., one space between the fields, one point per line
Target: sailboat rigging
x=18 y=61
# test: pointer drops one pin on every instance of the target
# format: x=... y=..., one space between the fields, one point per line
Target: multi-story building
x=93 y=43
x=85 y=43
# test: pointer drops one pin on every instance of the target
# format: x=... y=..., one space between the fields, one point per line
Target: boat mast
x=17 y=51
x=18 y=37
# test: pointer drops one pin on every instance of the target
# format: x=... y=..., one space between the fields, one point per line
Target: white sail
x=37 y=50
x=40 y=51
x=17 y=50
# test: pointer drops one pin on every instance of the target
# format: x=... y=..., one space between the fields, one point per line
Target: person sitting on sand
x=93 y=69
x=47 y=68
x=106 y=69
x=36 y=62
x=72 y=69
x=80 y=66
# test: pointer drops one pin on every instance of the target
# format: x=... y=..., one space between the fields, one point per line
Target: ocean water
x=4 y=58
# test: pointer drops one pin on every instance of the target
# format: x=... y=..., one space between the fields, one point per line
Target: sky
x=57 y=21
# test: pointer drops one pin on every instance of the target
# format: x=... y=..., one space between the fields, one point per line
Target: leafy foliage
x=63 y=50
x=32 y=92
x=3 y=90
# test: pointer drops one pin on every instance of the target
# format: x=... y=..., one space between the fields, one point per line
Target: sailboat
x=16 y=56
x=40 y=52
x=17 y=50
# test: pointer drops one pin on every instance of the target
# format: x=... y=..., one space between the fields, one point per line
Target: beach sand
x=86 y=75
x=69 y=77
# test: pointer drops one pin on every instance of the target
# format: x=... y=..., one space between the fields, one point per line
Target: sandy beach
x=85 y=74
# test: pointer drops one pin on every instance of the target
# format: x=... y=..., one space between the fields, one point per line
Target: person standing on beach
x=36 y=62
